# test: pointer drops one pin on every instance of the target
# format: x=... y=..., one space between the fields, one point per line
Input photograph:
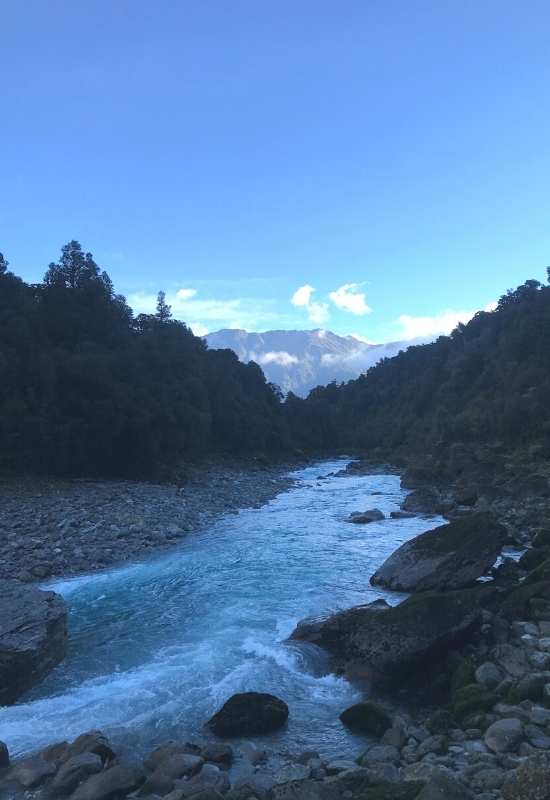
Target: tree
x=548 y=273
x=74 y=269
x=164 y=311
x=3 y=264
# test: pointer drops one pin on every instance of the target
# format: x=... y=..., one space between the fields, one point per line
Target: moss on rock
x=472 y=699
x=367 y=717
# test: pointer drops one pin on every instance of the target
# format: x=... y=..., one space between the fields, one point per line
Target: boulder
x=249 y=714
x=488 y=675
x=74 y=771
x=32 y=772
x=115 y=782
x=398 y=642
x=164 y=751
x=448 y=557
x=422 y=501
x=178 y=765
x=33 y=637
x=504 y=735
x=402 y=514
x=364 y=517
x=530 y=781
x=92 y=742
x=367 y=717
x=4 y=756
x=209 y=778
x=217 y=753
x=444 y=787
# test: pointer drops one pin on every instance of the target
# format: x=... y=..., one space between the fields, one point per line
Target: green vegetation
x=487 y=385
x=87 y=388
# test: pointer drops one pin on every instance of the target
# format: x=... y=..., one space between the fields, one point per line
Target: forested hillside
x=87 y=388
x=488 y=383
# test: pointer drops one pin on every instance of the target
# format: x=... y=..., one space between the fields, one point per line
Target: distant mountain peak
x=299 y=360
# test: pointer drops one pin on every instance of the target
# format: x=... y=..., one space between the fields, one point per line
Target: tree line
x=88 y=388
x=485 y=385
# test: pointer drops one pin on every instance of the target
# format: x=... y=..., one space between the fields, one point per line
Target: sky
x=376 y=168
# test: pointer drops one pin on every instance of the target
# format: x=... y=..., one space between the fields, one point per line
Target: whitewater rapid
x=156 y=647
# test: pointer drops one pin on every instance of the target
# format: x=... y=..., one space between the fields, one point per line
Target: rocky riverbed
x=50 y=528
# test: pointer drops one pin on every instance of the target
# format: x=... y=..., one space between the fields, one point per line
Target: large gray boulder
x=399 y=642
x=448 y=557
x=33 y=637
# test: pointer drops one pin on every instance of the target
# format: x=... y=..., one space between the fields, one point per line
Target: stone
x=530 y=781
x=433 y=744
x=217 y=753
x=4 y=756
x=364 y=517
x=441 y=786
x=546 y=695
x=488 y=675
x=488 y=779
x=396 y=735
x=249 y=714
x=33 y=637
x=339 y=765
x=472 y=699
x=536 y=737
x=33 y=771
x=377 y=753
x=367 y=717
x=92 y=742
x=402 y=514
x=210 y=777
x=164 y=751
x=512 y=660
x=74 y=771
x=178 y=765
x=422 y=500
x=396 y=643
x=504 y=735
x=298 y=772
x=441 y=721
x=448 y=557
x=114 y=782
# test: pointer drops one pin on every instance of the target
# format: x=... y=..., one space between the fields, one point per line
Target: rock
x=178 y=765
x=488 y=675
x=441 y=721
x=367 y=717
x=402 y=514
x=448 y=557
x=444 y=787
x=164 y=751
x=92 y=742
x=422 y=500
x=217 y=753
x=536 y=737
x=249 y=714
x=76 y=770
x=364 y=517
x=4 y=756
x=488 y=779
x=531 y=780
x=504 y=735
x=396 y=735
x=433 y=744
x=529 y=688
x=114 y=782
x=33 y=637
x=296 y=772
x=397 y=642
x=546 y=695
x=256 y=756
x=377 y=753
x=210 y=777
x=352 y=780
x=511 y=659
x=32 y=772
x=57 y=753
x=472 y=699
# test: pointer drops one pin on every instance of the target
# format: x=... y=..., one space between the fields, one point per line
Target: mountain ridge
x=299 y=360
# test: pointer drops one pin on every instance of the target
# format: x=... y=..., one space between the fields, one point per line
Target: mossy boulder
x=472 y=699
x=530 y=600
x=402 y=642
x=542 y=540
x=367 y=717
x=463 y=674
x=447 y=557
x=540 y=573
x=392 y=791
x=532 y=558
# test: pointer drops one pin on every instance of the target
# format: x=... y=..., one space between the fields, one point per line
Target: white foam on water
x=156 y=647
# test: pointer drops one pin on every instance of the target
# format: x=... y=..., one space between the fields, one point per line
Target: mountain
x=297 y=361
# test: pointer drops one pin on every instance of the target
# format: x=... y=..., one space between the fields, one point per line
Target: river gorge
x=156 y=646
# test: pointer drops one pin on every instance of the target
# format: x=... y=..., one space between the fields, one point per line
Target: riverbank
x=55 y=528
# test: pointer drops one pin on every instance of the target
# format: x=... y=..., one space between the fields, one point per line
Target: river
x=156 y=647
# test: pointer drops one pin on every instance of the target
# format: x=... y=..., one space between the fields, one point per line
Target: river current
x=156 y=647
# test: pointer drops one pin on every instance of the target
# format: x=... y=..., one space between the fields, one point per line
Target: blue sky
x=394 y=157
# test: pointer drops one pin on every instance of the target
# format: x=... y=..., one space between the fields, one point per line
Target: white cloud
x=280 y=357
x=240 y=312
x=362 y=338
x=302 y=298
x=492 y=306
x=186 y=294
x=430 y=327
x=199 y=329
x=349 y=298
